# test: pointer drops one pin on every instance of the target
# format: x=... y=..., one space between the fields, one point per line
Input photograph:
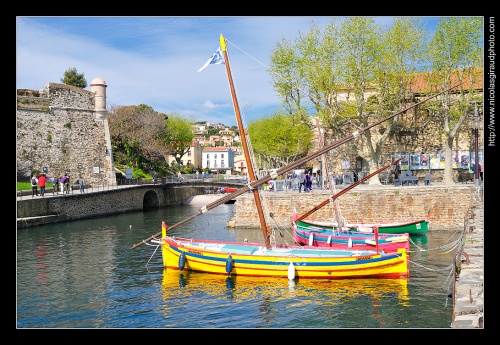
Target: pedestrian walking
x=302 y=181
x=55 y=188
x=82 y=186
x=42 y=181
x=34 y=186
x=308 y=182
x=65 y=183
x=155 y=177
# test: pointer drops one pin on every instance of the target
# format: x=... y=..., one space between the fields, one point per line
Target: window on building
x=189 y=153
x=208 y=163
x=222 y=163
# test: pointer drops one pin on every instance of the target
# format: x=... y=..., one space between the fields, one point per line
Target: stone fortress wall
x=65 y=129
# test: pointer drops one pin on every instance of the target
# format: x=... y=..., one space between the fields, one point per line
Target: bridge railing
x=123 y=183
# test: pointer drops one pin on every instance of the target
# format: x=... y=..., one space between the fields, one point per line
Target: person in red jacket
x=42 y=180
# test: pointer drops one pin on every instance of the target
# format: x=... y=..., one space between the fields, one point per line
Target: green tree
x=72 y=77
x=178 y=137
x=456 y=53
x=278 y=140
x=287 y=79
x=353 y=73
x=396 y=56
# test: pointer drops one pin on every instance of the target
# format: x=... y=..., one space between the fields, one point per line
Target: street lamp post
x=477 y=180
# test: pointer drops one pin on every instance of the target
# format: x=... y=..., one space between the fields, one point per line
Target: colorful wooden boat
x=323 y=237
x=417 y=227
x=256 y=260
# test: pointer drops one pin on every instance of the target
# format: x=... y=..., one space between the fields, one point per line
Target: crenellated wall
x=60 y=128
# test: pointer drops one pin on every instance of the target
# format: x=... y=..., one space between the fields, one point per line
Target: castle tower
x=98 y=87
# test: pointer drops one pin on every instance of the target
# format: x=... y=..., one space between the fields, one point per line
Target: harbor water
x=85 y=274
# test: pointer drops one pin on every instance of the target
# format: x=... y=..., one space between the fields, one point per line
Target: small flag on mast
x=216 y=59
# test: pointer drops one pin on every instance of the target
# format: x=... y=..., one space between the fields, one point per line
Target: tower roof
x=98 y=81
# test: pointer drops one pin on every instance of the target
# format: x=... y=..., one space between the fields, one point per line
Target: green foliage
x=178 y=135
x=138 y=173
x=67 y=125
x=456 y=54
x=72 y=77
x=279 y=139
x=49 y=138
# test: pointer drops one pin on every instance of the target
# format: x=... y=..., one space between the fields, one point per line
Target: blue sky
x=154 y=60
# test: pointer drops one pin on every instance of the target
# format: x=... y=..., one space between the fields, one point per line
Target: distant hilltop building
x=64 y=129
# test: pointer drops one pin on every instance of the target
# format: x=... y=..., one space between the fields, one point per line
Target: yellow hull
x=247 y=260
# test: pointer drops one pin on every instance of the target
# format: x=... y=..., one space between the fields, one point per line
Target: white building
x=218 y=159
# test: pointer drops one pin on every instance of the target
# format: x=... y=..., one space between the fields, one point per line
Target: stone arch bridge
x=77 y=206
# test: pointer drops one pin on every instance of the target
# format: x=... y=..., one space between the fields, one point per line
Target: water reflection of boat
x=419 y=240
x=177 y=284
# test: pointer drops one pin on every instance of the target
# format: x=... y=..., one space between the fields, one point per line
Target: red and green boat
x=417 y=227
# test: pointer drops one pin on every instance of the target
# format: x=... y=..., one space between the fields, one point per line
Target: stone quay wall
x=448 y=205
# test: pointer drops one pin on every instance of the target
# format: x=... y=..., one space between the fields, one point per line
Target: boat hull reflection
x=182 y=283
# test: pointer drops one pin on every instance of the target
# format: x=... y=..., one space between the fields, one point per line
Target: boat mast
x=243 y=136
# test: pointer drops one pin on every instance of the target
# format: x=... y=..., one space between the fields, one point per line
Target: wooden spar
x=345 y=190
x=243 y=136
x=253 y=184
